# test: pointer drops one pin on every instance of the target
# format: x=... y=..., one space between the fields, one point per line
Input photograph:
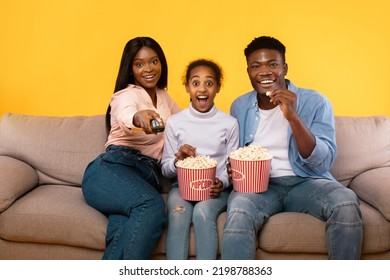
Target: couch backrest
x=59 y=148
x=363 y=143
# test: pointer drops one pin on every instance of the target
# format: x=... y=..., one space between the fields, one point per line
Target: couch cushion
x=373 y=186
x=301 y=233
x=59 y=148
x=363 y=143
x=376 y=236
x=54 y=214
x=293 y=232
x=16 y=178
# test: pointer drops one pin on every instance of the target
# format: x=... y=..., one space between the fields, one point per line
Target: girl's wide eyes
x=207 y=83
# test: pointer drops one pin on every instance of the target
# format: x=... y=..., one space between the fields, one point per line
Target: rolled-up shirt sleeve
x=323 y=128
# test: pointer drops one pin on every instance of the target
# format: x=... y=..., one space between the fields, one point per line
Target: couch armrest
x=373 y=186
x=16 y=178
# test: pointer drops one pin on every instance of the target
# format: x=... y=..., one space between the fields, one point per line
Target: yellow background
x=62 y=57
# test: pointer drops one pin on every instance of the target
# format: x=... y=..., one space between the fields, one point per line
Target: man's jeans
x=121 y=184
x=324 y=199
x=203 y=215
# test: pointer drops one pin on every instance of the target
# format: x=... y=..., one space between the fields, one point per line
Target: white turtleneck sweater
x=213 y=133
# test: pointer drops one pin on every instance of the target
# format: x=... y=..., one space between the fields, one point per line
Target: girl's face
x=146 y=69
x=202 y=87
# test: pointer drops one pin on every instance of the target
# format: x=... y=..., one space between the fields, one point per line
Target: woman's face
x=202 y=87
x=146 y=68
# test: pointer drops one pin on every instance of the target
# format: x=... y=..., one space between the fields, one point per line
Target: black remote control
x=156 y=125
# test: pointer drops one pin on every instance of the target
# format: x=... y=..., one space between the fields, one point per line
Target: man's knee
x=344 y=207
x=242 y=214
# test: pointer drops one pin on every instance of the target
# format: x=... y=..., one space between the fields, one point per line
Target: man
x=296 y=125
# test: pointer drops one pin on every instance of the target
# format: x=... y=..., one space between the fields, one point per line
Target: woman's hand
x=142 y=120
x=216 y=188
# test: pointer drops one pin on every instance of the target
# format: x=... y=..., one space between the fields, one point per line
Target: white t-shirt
x=272 y=134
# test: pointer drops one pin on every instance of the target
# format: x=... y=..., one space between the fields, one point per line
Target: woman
x=123 y=182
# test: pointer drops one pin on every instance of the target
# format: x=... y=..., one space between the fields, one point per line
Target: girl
x=200 y=128
x=122 y=183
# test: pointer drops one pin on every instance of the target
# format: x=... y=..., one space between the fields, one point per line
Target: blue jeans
x=122 y=184
x=324 y=199
x=203 y=215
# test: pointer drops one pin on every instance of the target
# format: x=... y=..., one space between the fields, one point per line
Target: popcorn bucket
x=250 y=176
x=194 y=184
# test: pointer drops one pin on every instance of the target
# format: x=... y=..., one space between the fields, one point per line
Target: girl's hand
x=185 y=151
x=216 y=188
x=142 y=120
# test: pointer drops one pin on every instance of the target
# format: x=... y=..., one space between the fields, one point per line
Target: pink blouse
x=124 y=104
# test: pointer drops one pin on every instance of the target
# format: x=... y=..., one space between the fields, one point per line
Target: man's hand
x=287 y=102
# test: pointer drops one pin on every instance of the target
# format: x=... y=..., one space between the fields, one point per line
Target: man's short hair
x=265 y=42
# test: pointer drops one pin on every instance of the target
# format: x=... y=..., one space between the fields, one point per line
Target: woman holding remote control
x=123 y=182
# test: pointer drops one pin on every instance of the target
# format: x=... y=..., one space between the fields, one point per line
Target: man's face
x=266 y=70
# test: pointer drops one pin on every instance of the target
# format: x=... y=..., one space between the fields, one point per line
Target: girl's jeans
x=324 y=199
x=203 y=215
x=121 y=183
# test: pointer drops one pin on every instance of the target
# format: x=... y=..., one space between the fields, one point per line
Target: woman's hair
x=125 y=75
x=204 y=62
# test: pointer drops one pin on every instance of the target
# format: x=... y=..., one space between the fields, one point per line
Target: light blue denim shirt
x=315 y=111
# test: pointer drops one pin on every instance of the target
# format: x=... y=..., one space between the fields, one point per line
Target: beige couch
x=43 y=214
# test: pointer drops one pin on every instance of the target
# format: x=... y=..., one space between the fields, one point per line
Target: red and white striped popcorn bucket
x=250 y=176
x=194 y=184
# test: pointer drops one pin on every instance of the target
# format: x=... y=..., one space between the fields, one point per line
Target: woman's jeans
x=203 y=215
x=324 y=199
x=121 y=183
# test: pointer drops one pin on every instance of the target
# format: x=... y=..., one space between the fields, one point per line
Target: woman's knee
x=157 y=203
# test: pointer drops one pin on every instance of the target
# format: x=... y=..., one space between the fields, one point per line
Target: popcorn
x=268 y=93
x=195 y=176
x=250 y=167
x=251 y=152
x=198 y=162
